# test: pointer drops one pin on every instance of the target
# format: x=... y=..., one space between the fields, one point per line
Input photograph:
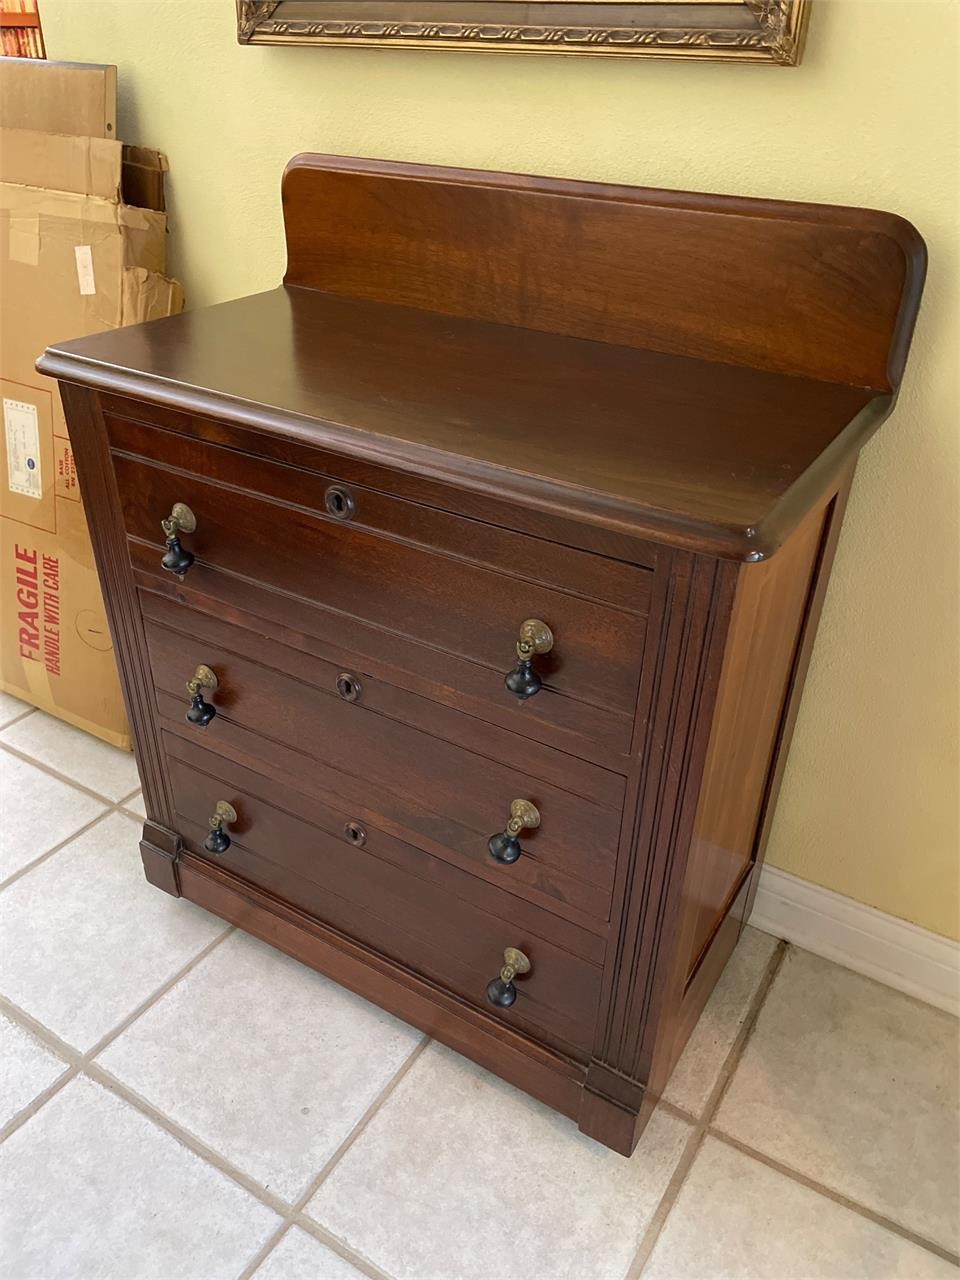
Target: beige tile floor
x=180 y=1102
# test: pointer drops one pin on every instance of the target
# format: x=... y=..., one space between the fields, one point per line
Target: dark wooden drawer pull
x=535 y=637
x=501 y=991
x=339 y=502
x=177 y=559
x=505 y=846
x=200 y=712
x=349 y=687
x=218 y=841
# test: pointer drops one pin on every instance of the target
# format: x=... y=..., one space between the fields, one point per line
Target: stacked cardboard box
x=82 y=249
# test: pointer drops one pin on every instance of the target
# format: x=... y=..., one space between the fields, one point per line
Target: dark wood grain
x=590 y=733
x=402 y=816
x=701 y=454
x=452 y=798
x=797 y=288
x=243 y=659
x=451 y=605
x=597 y=405
x=307 y=454
x=401 y=903
x=762 y=642
x=761 y=646
x=98 y=487
x=682 y=671
x=539 y=562
x=833 y=523
x=330 y=814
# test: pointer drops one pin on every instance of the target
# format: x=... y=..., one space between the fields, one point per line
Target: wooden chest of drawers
x=463 y=588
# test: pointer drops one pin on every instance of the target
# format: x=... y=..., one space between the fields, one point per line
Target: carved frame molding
x=770 y=31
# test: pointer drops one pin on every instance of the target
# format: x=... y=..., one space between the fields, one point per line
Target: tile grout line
x=82 y=1064
x=40 y=1032
x=35 y=1104
x=186 y=1138
x=81 y=831
x=710 y=1117
x=21 y=715
x=324 y=1237
x=48 y=769
x=124 y=799
x=76 y=1060
x=157 y=995
x=364 y=1121
x=342 y=1250
x=283 y=1208
x=837 y=1197
x=706 y=1126
x=701 y=1123
x=297 y=1216
x=666 y=1203
x=111 y=807
x=271 y=1243
x=744 y=1035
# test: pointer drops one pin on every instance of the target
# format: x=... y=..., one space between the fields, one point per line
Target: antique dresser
x=463 y=588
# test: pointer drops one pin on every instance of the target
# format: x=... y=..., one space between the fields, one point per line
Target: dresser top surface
x=667 y=445
x=700 y=370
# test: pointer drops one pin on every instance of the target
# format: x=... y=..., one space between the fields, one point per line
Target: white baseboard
x=901 y=955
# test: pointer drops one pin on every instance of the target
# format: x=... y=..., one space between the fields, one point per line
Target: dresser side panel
x=101 y=500
x=761 y=647
x=681 y=672
x=770 y=639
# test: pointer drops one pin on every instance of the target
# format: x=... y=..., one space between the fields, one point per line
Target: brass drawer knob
x=177 y=559
x=200 y=712
x=535 y=637
x=505 y=846
x=218 y=841
x=501 y=991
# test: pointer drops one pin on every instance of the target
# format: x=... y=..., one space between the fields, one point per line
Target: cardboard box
x=58 y=97
x=74 y=259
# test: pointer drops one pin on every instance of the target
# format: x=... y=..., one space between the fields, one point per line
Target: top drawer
x=437 y=595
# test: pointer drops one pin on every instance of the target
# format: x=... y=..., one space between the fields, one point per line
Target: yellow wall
x=869 y=802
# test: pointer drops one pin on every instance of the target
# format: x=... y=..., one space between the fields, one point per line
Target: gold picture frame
x=769 y=31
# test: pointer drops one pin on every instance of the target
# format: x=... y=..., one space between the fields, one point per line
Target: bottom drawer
x=401 y=902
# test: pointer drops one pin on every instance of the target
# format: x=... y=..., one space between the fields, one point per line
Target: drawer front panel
x=598 y=577
x=593 y=733
x=179 y=630
x=390 y=897
x=441 y=600
x=131 y=424
x=450 y=797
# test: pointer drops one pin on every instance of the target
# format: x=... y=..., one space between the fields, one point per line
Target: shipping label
x=23 y=448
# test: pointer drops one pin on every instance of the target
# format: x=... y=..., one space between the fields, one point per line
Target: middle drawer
x=383 y=753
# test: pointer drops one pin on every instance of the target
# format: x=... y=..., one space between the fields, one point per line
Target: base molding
x=898 y=954
x=160 y=851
